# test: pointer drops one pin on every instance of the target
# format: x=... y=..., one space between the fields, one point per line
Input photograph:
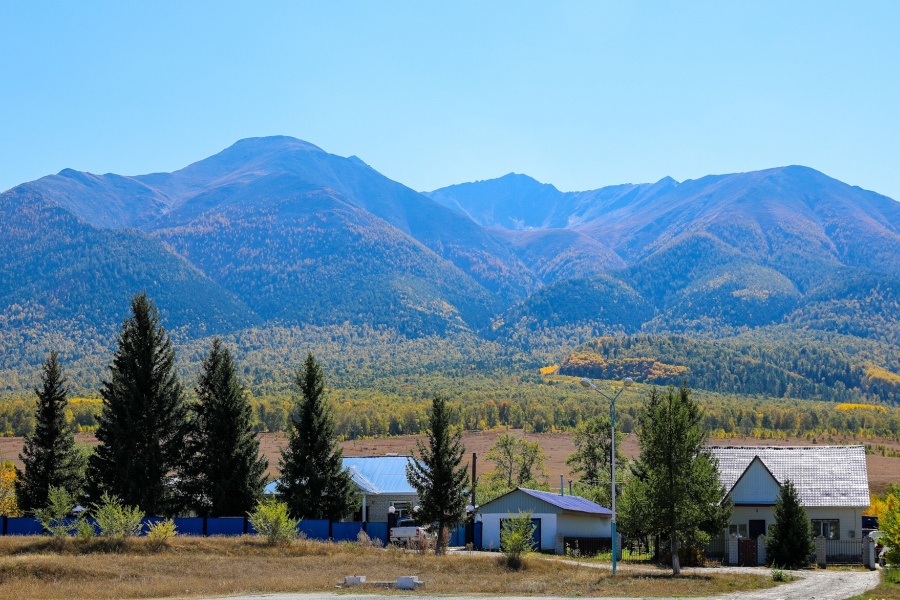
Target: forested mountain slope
x=275 y=234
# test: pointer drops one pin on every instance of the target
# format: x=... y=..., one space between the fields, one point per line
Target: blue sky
x=580 y=95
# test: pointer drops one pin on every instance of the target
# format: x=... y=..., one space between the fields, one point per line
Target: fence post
x=733 y=550
x=869 y=558
x=821 y=552
x=761 y=550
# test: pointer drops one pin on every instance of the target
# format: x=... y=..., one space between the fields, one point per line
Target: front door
x=536 y=536
x=757 y=528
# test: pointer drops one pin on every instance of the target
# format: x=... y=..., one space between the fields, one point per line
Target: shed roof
x=571 y=503
x=576 y=504
x=823 y=475
x=374 y=474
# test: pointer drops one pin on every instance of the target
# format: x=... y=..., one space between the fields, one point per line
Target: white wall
x=850 y=518
x=584 y=526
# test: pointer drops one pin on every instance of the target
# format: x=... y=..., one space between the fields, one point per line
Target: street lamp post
x=612 y=451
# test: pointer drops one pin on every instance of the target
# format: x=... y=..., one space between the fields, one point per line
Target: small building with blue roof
x=554 y=515
x=382 y=483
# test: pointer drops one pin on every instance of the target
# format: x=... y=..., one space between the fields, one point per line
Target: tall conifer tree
x=313 y=481
x=49 y=455
x=676 y=490
x=438 y=476
x=225 y=476
x=143 y=424
x=791 y=543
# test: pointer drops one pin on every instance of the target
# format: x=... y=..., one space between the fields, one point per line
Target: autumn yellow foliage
x=855 y=406
x=882 y=375
x=550 y=370
x=8 y=504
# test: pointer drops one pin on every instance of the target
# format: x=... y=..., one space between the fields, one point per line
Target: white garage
x=555 y=516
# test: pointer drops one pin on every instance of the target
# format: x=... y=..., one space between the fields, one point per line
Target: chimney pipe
x=562 y=490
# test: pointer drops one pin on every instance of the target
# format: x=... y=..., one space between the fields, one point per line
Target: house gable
x=825 y=476
x=756 y=485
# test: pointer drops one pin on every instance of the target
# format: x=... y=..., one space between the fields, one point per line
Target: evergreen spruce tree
x=438 y=476
x=225 y=475
x=314 y=483
x=49 y=455
x=676 y=490
x=143 y=423
x=791 y=543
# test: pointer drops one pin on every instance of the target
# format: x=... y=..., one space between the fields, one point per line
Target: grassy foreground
x=43 y=568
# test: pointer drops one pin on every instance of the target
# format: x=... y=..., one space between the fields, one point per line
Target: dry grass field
x=41 y=568
x=557 y=446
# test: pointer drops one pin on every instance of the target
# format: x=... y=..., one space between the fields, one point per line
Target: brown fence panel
x=588 y=546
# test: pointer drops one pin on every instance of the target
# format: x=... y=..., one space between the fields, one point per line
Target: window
x=739 y=530
x=830 y=529
x=402 y=510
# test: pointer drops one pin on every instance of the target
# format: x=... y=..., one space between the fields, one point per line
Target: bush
x=56 y=517
x=85 y=529
x=516 y=539
x=160 y=533
x=363 y=539
x=271 y=520
x=781 y=575
x=116 y=520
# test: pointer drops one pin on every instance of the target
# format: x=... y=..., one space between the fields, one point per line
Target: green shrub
x=56 y=517
x=160 y=533
x=116 y=520
x=85 y=529
x=270 y=519
x=781 y=575
x=516 y=539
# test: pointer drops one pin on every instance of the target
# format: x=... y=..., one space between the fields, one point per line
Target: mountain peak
x=272 y=143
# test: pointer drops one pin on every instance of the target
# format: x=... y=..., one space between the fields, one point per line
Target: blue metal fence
x=225 y=526
x=345 y=532
x=314 y=529
x=378 y=531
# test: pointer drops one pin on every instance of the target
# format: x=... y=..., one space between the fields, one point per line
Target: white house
x=555 y=516
x=832 y=483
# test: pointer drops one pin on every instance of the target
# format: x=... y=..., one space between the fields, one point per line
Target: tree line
x=168 y=456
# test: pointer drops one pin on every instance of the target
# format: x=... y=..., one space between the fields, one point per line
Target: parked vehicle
x=407 y=531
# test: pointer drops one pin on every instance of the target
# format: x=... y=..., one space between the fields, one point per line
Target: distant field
x=558 y=446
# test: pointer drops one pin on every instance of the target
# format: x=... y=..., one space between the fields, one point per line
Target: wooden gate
x=747 y=552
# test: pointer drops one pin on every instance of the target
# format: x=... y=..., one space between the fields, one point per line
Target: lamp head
x=628 y=382
x=587 y=383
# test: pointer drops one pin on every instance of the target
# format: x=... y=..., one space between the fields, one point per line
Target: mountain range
x=275 y=233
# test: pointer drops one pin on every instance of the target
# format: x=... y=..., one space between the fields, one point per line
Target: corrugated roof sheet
x=374 y=474
x=572 y=503
x=823 y=475
x=380 y=474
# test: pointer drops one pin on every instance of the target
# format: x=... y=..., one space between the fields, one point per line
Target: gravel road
x=807 y=585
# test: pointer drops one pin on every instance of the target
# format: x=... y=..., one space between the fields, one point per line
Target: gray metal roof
x=823 y=475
